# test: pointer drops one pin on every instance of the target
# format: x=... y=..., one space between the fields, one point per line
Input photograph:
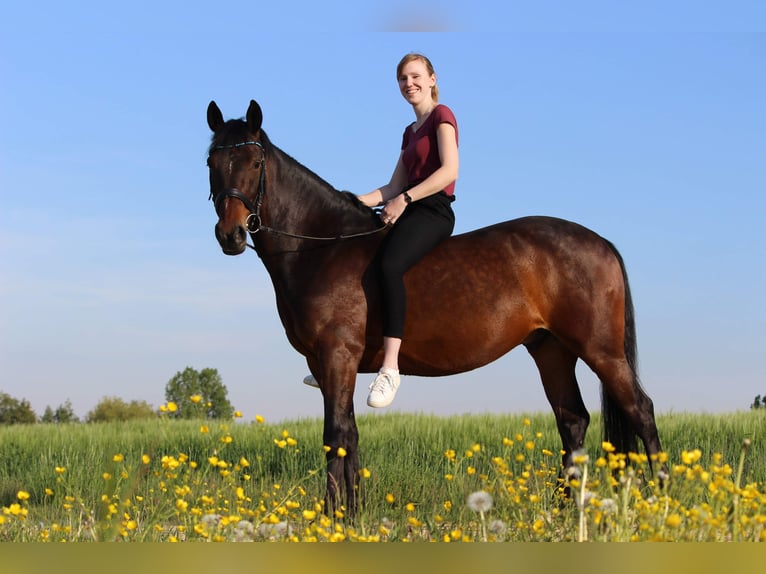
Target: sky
x=646 y=123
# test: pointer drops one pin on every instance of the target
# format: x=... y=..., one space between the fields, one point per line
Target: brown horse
x=554 y=286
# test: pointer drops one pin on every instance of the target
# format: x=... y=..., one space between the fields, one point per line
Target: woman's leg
x=418 y=231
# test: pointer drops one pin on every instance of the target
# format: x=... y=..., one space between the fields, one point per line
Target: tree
x=116 y=409
x=759 y=402
x=63 y=414
x=198 y=395
x=14 y=411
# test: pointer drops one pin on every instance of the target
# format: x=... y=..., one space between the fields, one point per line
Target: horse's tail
x=617 y=428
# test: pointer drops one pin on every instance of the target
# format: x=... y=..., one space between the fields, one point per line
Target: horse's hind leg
x=556 y=364
x=627 y=409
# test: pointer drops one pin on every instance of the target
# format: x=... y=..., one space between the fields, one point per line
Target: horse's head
x=237 y=171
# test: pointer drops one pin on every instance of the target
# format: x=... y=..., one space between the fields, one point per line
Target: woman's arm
x=434 y=183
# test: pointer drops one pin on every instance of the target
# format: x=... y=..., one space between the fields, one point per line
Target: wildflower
x=497 y=527
x=211 y=520
x=341 y=452
x=410 y=507
x=673 y=520
x=390 y=498
x=309 y=514
x=259 y=419
x=195 y=398
x=22 y=495
x=365 y=473
x=204 y=429
x=580 y=457
x=118 y=458
x=146 y=459
x=690 y=457
x=60 y=469
x=243 y=462
x=480 y=501
x=450 y=455
x=608 y=446
x=172 y=407
x=237 y=414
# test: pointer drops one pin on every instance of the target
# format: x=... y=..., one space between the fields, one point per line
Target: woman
x=416 y=204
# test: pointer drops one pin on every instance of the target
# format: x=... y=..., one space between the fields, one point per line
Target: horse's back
x=481 y=293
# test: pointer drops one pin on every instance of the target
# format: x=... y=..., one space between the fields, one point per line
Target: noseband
x=253 y=222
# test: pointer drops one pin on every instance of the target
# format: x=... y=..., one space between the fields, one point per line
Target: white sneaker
x=383 y=388
x=310 y=381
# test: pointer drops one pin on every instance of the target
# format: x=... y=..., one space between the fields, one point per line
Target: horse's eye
x=257 y=163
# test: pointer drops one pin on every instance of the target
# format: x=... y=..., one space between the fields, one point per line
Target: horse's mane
x=237 y=131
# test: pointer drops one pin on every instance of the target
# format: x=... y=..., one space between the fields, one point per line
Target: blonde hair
x=411 y=57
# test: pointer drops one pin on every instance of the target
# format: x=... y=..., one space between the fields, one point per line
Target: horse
x=552 y=285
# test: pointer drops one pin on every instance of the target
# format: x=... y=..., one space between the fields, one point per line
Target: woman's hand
x=393 y=209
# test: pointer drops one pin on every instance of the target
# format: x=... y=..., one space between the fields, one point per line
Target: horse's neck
x=307 y=202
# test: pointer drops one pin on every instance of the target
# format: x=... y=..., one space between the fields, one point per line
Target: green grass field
x=205 y=480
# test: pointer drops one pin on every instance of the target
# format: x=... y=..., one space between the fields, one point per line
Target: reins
x=253 y=222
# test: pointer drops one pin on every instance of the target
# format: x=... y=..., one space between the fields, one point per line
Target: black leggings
x=422 y=226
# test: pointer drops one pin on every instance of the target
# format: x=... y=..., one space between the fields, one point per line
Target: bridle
x=253 y=223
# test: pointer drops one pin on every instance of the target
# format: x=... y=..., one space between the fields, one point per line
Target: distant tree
x=198 y=395
x=759 y=402
x=63 y=414
x=14 y=411
x=115 y=409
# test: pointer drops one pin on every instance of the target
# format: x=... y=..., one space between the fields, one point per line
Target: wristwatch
x=407 y=198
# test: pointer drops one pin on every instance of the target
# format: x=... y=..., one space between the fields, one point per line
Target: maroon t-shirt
x=421 y=147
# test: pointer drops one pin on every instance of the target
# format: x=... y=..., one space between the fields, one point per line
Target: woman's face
x=415 y=82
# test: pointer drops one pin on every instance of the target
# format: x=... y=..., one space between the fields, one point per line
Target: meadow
x=423 y=478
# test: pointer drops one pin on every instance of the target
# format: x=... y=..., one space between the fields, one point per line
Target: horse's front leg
x=342 y=438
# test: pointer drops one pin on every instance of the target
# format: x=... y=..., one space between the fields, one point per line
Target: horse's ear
x=254 y=116
x=214 y=116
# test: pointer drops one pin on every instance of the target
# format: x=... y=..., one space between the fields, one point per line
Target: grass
x=164 y=480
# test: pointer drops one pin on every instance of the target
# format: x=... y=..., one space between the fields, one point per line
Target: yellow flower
x=118 y=458
x=22 y=495
x=259 y=419
x=106 y=476
x=204 y=429
x=691 y=457
x=365 y=473
x=48 y=492
x=410 y=507
x=673 y=520
x=608 y=446
x=195 y=398
x=341 y=452
x=309 y=515
x=172 y=407
x=146 y=459
x=390 y=498
x=243 y=462
x=237 y=414
x=60 y=469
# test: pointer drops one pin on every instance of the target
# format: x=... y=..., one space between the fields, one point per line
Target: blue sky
x=647 y=124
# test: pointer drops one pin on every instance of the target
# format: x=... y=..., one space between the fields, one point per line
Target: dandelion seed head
x=497 y=527
x=479 y=501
